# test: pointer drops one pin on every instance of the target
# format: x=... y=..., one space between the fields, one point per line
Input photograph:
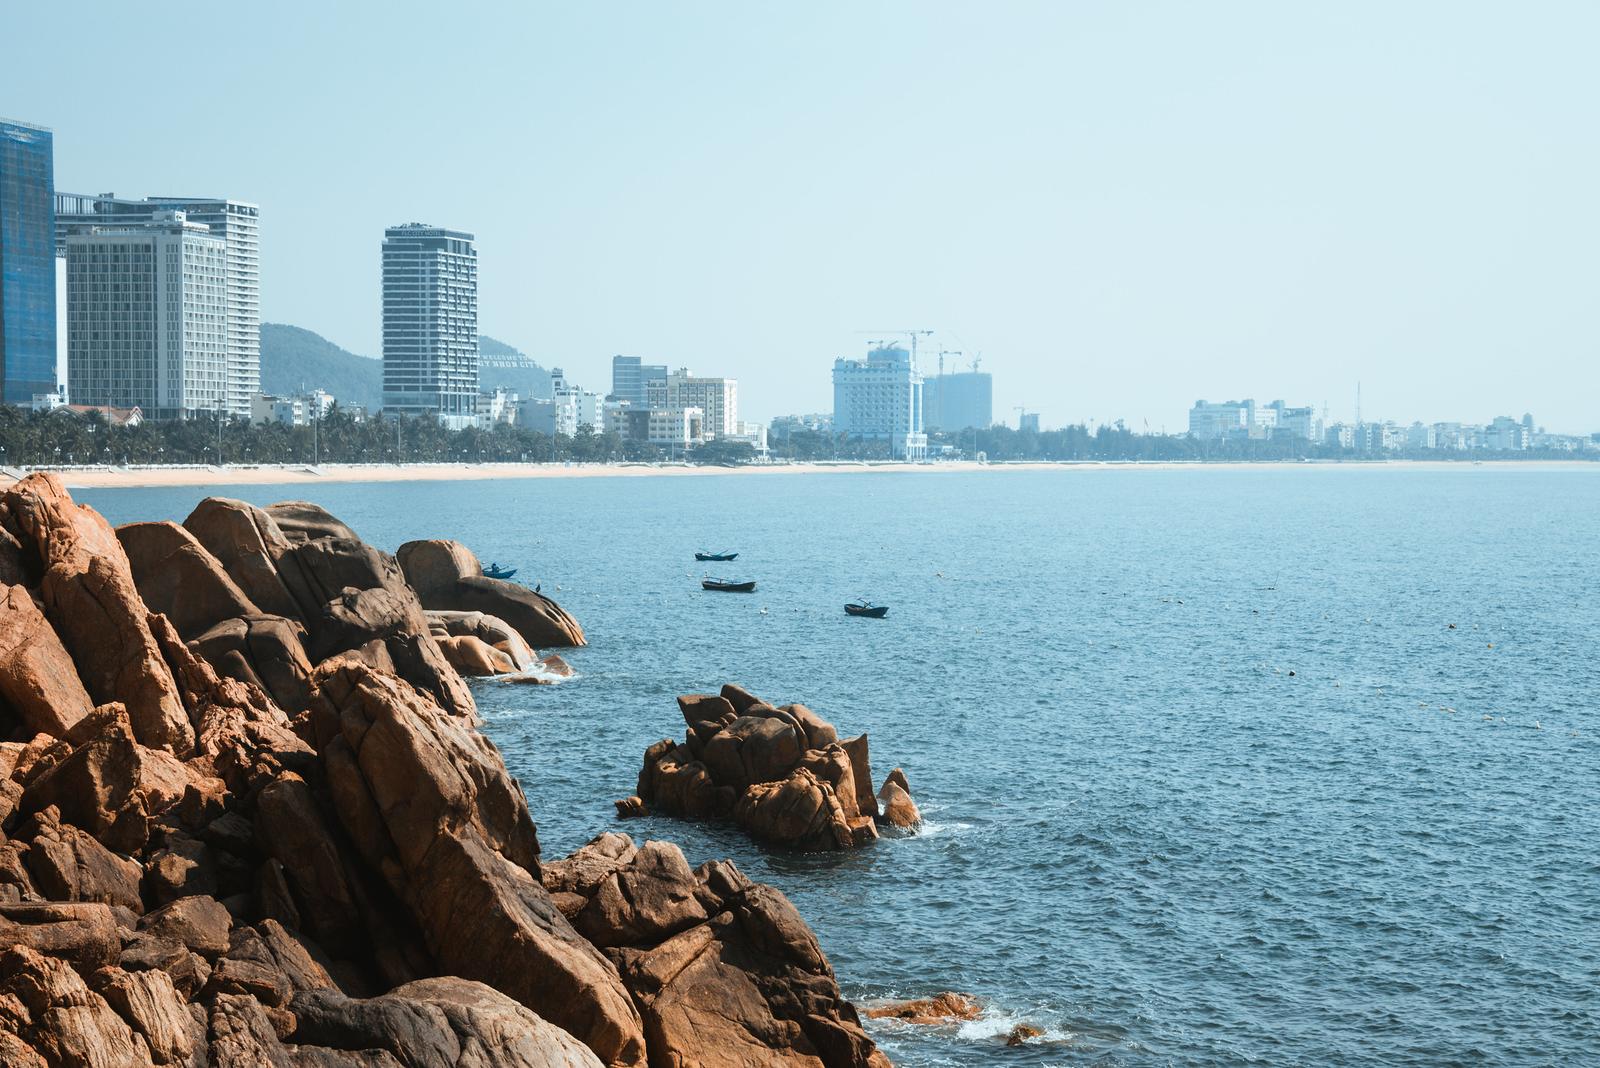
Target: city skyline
x=1234 y=231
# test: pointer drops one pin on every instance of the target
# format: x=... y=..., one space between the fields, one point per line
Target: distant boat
x=496 y=571
x=727 y=586
x=720 y=558
x=866 y=608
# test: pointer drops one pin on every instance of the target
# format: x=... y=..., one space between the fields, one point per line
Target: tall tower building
x=430 y=323
x=237 y=224
x=880 y=399
x=27 y=263
x=147 y=318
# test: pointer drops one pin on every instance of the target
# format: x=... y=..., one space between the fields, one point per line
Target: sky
x=1121 y=207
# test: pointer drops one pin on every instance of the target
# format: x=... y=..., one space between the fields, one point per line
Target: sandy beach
x=290 y=474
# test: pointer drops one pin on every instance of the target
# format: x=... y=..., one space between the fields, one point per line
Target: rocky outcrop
x=448 y=577
x=348 y=596
x=197 y=875
x=90 y=599
x=716 y=963
x=780 y=772
x=38 y=681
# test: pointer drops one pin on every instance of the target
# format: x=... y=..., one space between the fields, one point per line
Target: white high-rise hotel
x=880 y=399
x=147 y=317
x=430 y=323
x=237 y=225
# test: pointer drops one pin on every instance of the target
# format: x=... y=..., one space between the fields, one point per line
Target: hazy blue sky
x=1123 y=206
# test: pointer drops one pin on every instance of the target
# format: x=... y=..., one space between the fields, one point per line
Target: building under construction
x=956 y=402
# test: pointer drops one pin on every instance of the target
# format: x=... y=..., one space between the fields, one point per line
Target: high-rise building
x=237 y=224
x=27 y=263
x=717 y=398
x=147 y=317
x=630 y=378
x=430 y=323
x=1028 y=422
x=880 y=399
x=958 y=401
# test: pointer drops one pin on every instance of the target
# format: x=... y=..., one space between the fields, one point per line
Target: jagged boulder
x=266 y=651
x=246 y=541
x=448 y=577
x=491 y=630
x=177 y=577
x=750 y=985
x=68 y=865
x=428 y=802
x=48 y=1006
x=779 y=771
x=439 y=1023
x=92 y=602
x=38 y=679
x=350 y=596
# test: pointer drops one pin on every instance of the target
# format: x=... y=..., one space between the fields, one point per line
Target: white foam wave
x=940 y=828
x=996 y=1025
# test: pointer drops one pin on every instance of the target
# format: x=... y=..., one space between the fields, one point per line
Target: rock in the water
x=937 y=1009
x=781 y=772
x=749 y=986
x=448 y=577
x=490 y=630
x=474 y=657
x=895 y=800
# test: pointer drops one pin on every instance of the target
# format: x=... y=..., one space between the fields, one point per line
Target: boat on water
x=720 y=558
x=728 y=586
x=497 y=572
x=867 y=609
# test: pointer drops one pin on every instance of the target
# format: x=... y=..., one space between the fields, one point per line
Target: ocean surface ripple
x=1210 y=777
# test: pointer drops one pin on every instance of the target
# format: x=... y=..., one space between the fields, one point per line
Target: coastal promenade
x=100 y=477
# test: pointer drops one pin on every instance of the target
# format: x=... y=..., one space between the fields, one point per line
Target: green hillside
x=294 y=359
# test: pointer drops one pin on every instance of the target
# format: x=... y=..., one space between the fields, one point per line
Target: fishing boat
x=728 y=586
x=866 y=608
x=720 y=558
x=497 y=572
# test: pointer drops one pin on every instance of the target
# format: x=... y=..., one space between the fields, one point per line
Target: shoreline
x=152 y=477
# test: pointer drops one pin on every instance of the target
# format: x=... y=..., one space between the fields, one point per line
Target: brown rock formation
x=780 y=772
x=448 y=577
x=37 y=678
x=940 y=1007
x=190 y=877
x=91 y=601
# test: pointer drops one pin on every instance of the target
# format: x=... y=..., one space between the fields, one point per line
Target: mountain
x=294 y=359
x=500 y=366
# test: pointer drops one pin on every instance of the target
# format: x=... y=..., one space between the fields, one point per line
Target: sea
x=1219 y=765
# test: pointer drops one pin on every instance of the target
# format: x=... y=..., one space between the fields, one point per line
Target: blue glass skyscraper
x=27 y=262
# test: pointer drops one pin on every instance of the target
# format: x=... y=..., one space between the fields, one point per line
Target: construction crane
x=912 y=334
x=977 y=358
x=1022 y=414
x=947 y=352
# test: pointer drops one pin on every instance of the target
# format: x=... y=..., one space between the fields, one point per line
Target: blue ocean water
x=1209 y=776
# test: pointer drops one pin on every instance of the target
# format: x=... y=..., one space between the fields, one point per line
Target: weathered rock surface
x=91 y=601
x=38 y=680
x=488 y=629
x=940 y=1007
x=448 y=577
x=781 y=772
x=191 y=876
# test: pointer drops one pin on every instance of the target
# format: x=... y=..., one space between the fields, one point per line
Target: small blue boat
x=497 y=572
